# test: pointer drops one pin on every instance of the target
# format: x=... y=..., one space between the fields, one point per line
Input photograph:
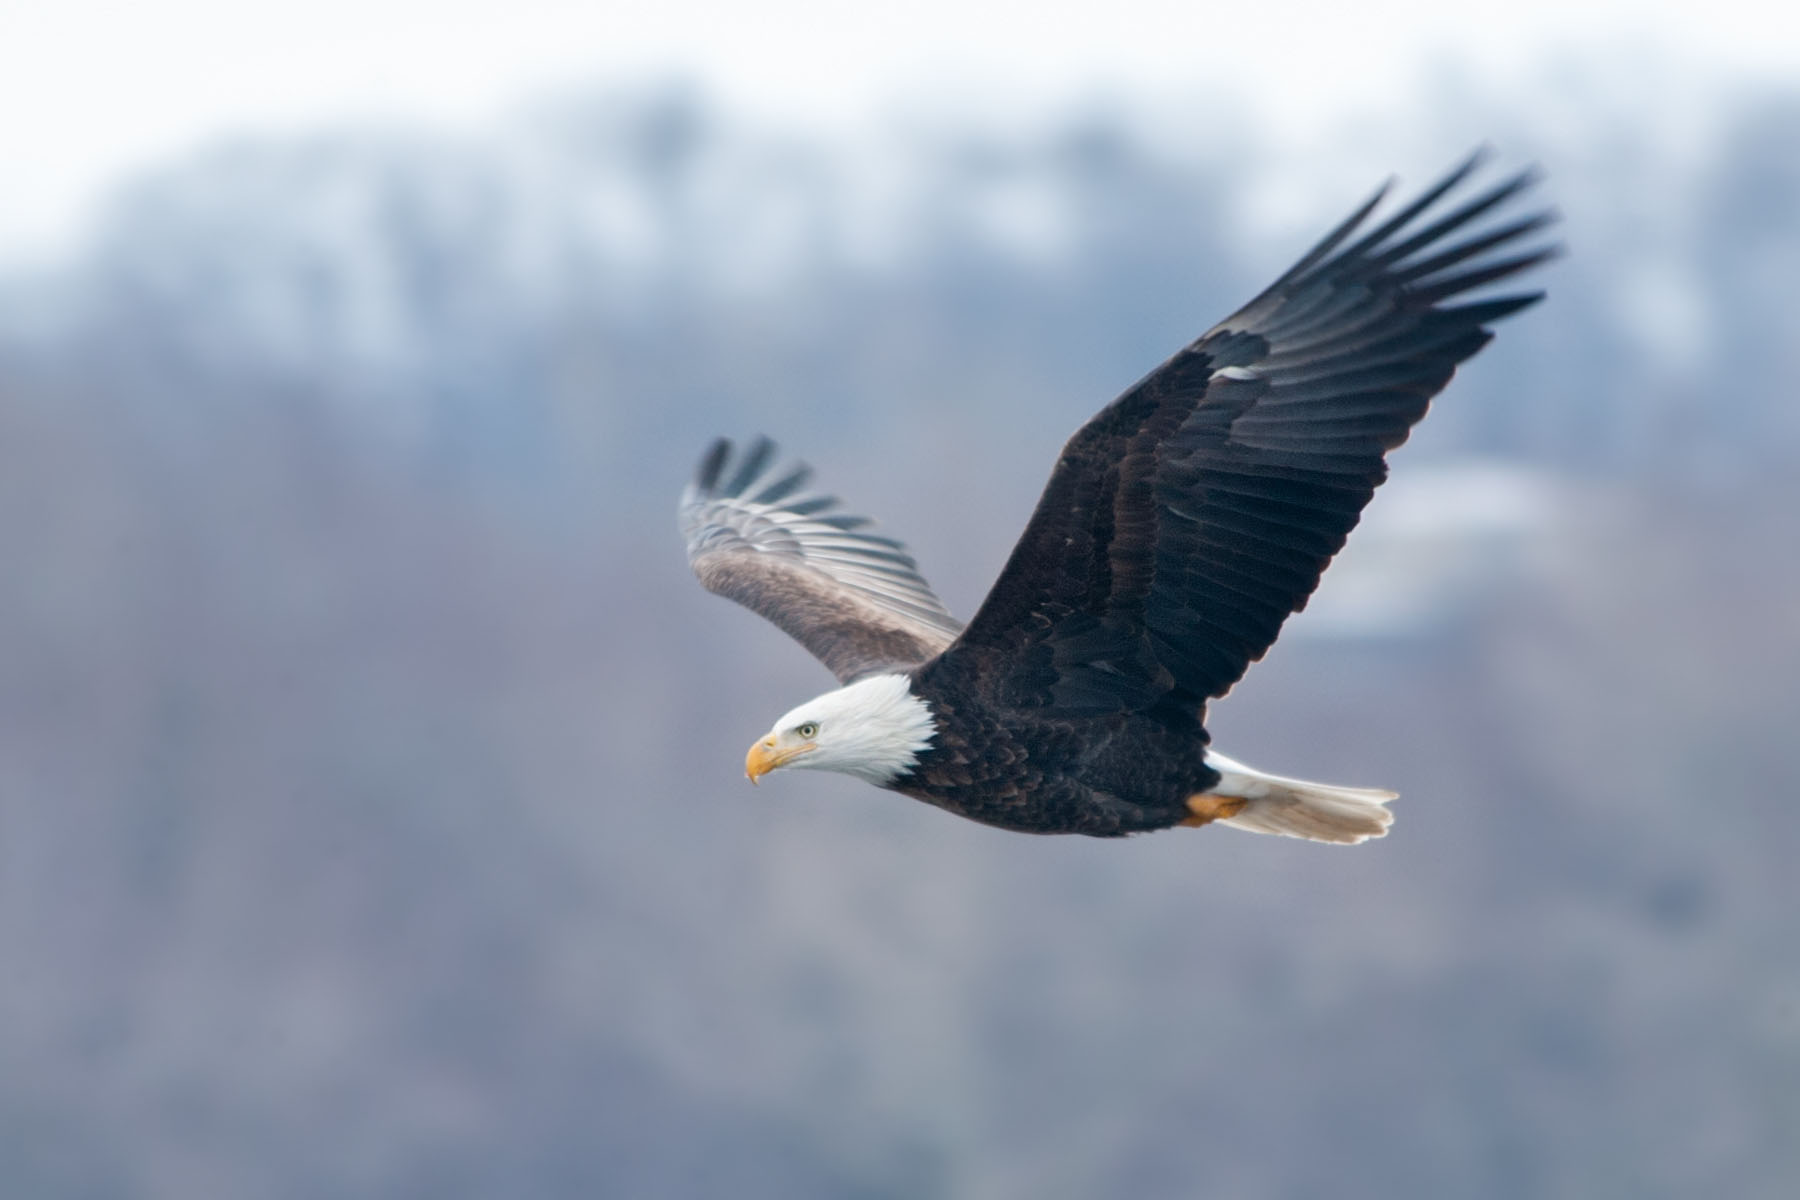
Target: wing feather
x=855 y=599
x=1186 y=521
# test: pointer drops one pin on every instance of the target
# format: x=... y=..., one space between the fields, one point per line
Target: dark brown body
x=1104 y=776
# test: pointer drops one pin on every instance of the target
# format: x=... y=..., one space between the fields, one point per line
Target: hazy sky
x=92 y=88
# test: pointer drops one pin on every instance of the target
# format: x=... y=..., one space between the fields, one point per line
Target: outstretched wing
x=853 y=598
x=1186 y=521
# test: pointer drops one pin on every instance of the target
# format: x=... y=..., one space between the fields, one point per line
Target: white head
x=873 y=729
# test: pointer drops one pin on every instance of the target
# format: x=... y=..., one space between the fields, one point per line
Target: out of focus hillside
x=371 y=810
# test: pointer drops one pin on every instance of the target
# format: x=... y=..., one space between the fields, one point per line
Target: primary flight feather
x=1180 y=527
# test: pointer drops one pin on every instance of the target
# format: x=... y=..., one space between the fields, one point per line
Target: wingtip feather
x=706 y=475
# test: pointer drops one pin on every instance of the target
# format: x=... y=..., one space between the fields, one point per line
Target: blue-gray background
x=372 y=819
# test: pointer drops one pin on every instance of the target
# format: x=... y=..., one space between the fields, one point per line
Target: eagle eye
x=810 y=729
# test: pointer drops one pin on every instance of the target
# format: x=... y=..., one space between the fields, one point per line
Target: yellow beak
x=766 y=755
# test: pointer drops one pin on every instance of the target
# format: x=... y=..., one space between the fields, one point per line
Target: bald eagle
x=1179 y=529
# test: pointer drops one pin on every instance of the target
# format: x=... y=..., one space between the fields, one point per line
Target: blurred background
x=372 y=818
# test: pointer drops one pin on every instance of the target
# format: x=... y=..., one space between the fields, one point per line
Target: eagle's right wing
x=855 y=599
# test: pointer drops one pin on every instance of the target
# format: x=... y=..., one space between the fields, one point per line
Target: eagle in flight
x=1179 y=528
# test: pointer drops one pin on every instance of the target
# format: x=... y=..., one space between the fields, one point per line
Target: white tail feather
x=1320 y=812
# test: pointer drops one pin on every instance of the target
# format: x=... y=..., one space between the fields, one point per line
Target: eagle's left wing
x=1190 y=517
x=853 y=598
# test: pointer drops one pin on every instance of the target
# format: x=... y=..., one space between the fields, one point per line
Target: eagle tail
x=1319 y=812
